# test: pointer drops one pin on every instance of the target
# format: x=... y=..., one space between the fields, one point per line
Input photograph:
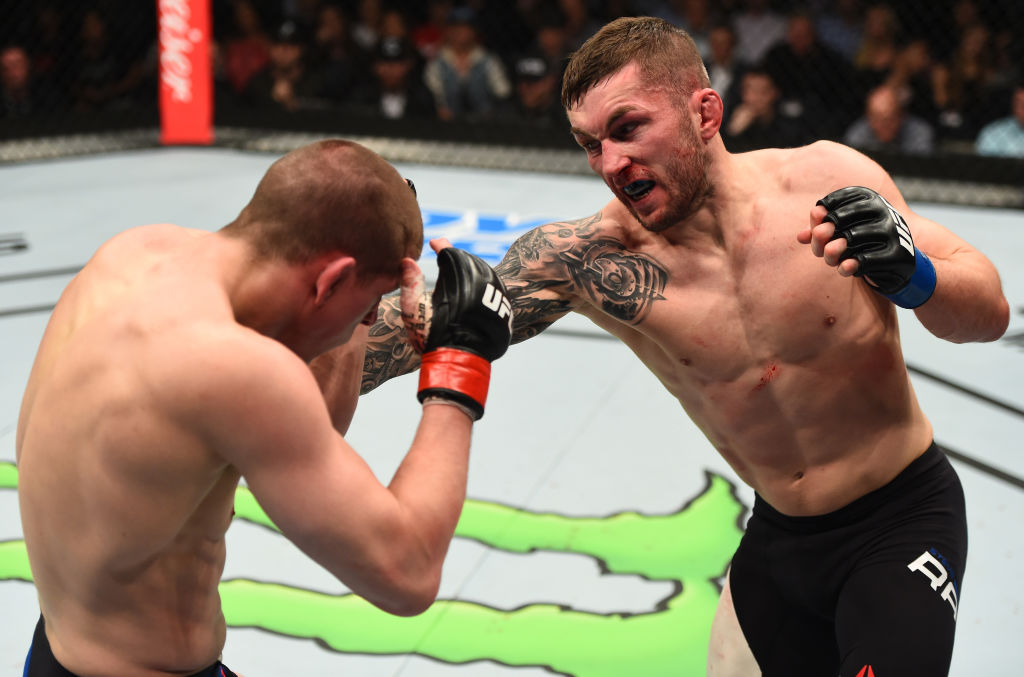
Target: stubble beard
x=686 y=184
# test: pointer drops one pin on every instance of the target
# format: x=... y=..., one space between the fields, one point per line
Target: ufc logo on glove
x=497 y=302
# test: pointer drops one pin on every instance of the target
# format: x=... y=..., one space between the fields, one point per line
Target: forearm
x=430 y=484
x=968 y=303
x=388 y=350
x=429 y=490
x=953 y=288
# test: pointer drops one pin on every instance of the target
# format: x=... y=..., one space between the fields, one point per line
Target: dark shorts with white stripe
x=870 y=588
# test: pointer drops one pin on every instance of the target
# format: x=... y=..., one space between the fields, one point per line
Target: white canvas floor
x=599 y=518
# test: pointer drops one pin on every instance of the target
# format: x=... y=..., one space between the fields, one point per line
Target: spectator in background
x=428 y=35
x=305 y=13
x=504 y=27
x=467 y=80
x=757 y=121
x=49 y=53
x=952 y=22
x=911 y=77
x=286 y=82
x=723 y=65
x=1005 y=136
x=537 y=94
x=814 y=79
x=340 y=66
x=366 y=27
x=841 y=27
x=886 y=126
x=246 y=49
x=19 y=96
x=396 y=91
x=551 y=41
x=878 y=48
x=224 y=93
x=580 y=24
x=693 y=16
x=393 y=24
x=758 y=29
x=967 y=86
x=103 y=77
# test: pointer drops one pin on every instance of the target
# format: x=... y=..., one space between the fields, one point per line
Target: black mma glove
x=878 y=237
x=471 y=327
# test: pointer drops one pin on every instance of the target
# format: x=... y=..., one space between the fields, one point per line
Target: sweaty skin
x=149 y=399
x=792 y=371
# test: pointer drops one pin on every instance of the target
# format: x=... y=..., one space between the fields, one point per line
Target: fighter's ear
x=709 y=105
x=333 y=272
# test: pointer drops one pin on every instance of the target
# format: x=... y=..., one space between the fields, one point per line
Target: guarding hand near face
x=464 y=325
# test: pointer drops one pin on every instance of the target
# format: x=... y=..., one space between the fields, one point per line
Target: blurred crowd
x=910 y=76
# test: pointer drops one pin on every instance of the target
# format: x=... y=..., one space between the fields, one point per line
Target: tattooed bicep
x=555 y=236
x=553 y=268
x=621 y=282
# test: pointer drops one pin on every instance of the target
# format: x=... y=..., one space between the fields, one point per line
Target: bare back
x=794 y=373
x=118 y=496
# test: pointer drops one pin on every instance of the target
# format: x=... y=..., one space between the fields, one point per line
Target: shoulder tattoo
x=621 y=282
x=570 y=257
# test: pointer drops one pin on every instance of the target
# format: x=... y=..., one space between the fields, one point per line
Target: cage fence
x=932 y=89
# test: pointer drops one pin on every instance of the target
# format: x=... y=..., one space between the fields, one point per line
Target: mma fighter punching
x=719 y=271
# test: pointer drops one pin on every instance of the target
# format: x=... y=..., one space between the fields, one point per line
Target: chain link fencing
x=932 y=89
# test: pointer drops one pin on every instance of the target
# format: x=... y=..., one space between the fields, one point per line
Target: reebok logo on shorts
x=937 y=569
x=866 y=671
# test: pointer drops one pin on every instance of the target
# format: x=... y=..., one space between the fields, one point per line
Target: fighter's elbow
x=408 y=595
x=984 y=328
x=999 y=321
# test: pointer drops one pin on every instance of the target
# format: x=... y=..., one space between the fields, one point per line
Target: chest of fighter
x=719 y=317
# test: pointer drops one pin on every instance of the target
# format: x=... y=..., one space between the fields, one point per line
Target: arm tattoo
x=621 y=282
x=569 y=260
x=388 y=351
x=532 y=316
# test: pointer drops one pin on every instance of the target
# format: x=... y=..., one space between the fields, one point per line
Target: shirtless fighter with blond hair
x=177 y=362
x=761 y=288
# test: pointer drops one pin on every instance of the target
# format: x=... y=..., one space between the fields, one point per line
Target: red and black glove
x=471 y=326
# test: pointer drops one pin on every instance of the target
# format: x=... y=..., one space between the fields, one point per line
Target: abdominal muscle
x=809 y=435
x=162 y=623
x=808 y=450
x=111 y=607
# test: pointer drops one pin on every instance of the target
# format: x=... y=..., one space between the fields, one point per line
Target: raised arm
x=538 y=279
x=386 y=543
x=537 y=270
x=953 y=288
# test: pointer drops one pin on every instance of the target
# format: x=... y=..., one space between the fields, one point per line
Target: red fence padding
x=186 y=77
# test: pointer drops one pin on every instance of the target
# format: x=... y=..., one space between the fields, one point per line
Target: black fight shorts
x=871 y=588
x=41 y=663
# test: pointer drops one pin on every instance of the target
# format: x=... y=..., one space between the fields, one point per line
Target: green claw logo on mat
x=690 y=548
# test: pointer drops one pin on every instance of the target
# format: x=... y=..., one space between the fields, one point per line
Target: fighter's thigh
x=729 y=655
x=890 y=617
